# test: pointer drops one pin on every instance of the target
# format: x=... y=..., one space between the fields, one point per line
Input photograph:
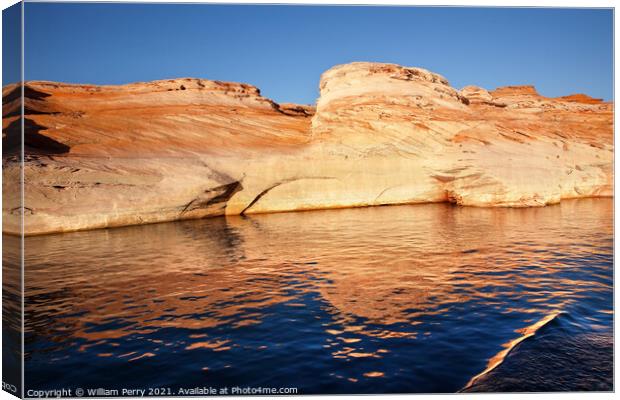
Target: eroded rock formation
x=103 y=156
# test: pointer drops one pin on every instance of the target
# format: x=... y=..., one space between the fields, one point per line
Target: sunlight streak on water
x=497 y=359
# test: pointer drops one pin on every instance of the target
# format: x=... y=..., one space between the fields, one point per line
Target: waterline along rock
x=106 y=156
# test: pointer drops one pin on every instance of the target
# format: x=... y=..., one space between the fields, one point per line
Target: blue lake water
x=417 y=298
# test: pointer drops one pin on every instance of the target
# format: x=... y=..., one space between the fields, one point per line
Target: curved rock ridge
x=105 y=156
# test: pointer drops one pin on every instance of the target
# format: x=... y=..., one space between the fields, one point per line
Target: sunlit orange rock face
x=103 y=156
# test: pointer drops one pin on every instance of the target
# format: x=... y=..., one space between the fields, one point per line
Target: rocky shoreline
x=106 y=156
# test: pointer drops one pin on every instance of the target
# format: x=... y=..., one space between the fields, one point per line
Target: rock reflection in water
x=385 y=299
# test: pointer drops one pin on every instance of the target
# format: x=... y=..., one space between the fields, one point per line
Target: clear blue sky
x=284 y=49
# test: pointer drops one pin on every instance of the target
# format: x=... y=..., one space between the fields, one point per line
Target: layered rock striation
x=104 y=156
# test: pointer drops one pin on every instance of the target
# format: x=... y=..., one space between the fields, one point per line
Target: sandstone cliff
x=103 y=156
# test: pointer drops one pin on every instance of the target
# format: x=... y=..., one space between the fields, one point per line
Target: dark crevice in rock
x=264 y=192
x=19 y=210
x=210 y=197
x=261 y=194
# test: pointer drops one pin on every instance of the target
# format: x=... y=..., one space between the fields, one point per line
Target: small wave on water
x=549 y=357
x=499 y=358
